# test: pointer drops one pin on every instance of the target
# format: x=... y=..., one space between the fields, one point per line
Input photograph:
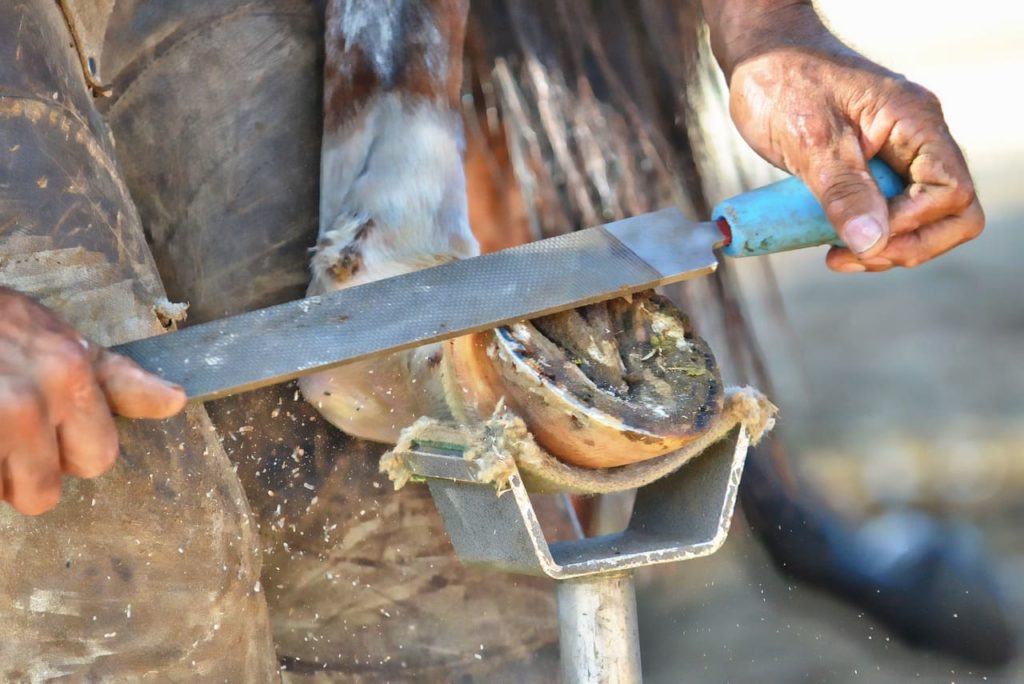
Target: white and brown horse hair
x=564 y=128
x=556 y=140
x=393 y=188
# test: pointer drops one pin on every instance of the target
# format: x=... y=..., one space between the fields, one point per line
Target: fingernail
x=852 y=267
x=862 y=233
x=877 y=262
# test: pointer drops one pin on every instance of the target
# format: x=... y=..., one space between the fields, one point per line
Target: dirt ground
x=899 y=390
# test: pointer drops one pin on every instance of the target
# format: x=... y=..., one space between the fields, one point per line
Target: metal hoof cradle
x=491 y=521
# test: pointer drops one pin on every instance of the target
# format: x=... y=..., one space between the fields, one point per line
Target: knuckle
x=70 y=372
x=923 y=96
x=971 y=230
x=813 y=132
x=973 y=220
x=974 y=228
x=21 y=407
x=843 y=187
x=962 y=193
x=72 y=360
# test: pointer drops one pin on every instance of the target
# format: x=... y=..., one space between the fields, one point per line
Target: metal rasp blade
x=268 y=346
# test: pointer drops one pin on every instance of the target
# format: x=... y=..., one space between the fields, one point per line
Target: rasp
x=244 y=352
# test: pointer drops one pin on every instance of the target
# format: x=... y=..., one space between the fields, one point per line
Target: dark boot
x=929 y=582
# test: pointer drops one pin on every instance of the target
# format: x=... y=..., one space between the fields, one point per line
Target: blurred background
x=898 y=391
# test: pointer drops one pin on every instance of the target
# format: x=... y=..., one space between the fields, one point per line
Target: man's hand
x=810 y=105
x=57 y=396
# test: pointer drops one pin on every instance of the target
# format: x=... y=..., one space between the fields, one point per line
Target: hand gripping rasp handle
x=785 y=215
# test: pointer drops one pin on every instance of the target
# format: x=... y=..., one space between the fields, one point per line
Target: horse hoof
x=600 y=386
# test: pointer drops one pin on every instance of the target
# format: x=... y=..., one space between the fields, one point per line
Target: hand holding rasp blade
x=279 y=343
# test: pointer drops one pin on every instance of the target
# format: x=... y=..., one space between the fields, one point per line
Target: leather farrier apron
x=198 y=175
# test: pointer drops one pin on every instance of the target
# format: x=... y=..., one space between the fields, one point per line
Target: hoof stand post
x=681 y=516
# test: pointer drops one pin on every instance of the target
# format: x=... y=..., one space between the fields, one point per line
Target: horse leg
x=393 y=191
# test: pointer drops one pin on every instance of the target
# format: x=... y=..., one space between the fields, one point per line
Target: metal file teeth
x=280 y=343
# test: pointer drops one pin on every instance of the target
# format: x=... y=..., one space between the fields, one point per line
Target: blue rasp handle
x=785 y=215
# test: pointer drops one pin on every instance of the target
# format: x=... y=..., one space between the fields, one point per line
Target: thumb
x=855 y=207
x=136 y=393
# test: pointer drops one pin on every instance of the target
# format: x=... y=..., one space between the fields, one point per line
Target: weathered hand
x=810 y=105
x=57 y=396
